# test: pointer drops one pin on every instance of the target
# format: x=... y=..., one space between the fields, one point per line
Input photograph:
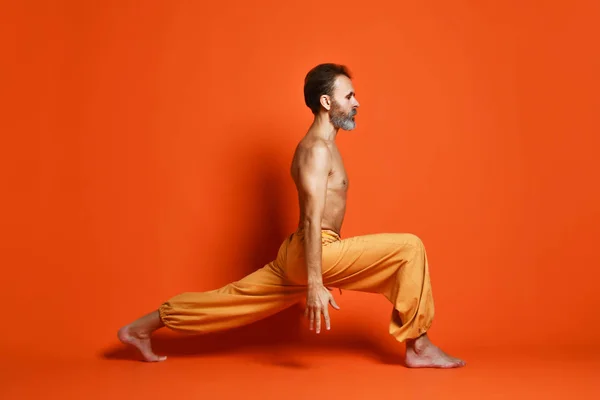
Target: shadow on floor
x=274 y=341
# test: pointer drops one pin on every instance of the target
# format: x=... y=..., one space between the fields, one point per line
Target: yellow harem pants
x=393 y=264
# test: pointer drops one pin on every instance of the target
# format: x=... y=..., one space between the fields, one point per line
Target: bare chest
x=338 y=178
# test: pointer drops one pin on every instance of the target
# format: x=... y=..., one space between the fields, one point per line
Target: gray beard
x=343 y=121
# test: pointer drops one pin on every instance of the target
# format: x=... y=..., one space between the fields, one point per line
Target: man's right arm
x=314 y=169
x=314 y=172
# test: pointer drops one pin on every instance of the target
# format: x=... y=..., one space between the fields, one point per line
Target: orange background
x=147 y=147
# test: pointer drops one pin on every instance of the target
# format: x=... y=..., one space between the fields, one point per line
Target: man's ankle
x=418 y=344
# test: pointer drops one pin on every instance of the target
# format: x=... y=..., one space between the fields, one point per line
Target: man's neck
x=323 y=128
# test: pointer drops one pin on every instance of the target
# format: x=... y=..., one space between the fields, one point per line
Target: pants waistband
x=327 y=235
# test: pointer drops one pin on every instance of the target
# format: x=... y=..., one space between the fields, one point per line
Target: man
x=315 y=257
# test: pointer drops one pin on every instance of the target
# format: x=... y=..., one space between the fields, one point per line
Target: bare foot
x=142 y=341
x=421 y=353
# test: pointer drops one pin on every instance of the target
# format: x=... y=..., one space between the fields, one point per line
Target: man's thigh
x=368 y=262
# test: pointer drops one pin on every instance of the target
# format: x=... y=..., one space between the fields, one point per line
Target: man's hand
x=317 y=303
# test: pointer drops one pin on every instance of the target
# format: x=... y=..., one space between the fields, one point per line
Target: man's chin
x=350 y=127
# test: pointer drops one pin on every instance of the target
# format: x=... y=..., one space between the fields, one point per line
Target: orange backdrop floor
x=334 y=368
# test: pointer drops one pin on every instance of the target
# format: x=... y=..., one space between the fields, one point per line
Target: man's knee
x=412 y=240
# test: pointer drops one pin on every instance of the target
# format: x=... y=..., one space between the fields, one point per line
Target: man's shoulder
x=315 y=146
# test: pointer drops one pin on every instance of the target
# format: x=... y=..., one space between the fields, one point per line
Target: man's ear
x=326 y=102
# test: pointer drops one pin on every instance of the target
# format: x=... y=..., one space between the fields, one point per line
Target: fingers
x=333 y=303
x=314 y=318
x=314 y=311
x=318 y=317
x=327 y=320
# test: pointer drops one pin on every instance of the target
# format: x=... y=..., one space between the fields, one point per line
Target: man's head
x=328 y=88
